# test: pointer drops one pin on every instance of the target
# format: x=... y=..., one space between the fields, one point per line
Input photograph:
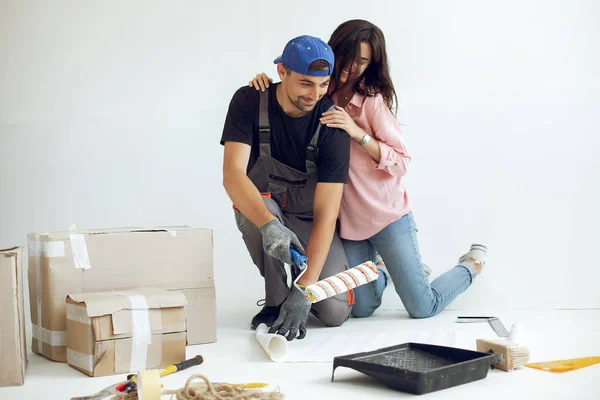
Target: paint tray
x=419 y=368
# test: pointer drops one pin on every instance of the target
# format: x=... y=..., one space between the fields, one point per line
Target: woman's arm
x=385 y=145
x=394 y=157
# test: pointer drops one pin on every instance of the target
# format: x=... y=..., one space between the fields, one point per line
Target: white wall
x=111 y=113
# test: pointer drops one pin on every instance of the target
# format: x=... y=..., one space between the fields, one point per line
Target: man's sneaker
x=478 y=252
x=266 y=316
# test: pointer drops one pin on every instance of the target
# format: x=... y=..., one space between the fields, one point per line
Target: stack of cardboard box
x=164 y=274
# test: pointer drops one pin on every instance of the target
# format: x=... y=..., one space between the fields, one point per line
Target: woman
x=375 y=213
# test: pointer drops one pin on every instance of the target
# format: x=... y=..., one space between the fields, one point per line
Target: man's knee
x=333 y=312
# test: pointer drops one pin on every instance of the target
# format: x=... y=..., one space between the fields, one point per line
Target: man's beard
x=298 y=104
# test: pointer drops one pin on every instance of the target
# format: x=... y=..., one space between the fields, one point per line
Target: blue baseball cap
x=302 y=51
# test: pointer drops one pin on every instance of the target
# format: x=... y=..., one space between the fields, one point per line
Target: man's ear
x=281 y=71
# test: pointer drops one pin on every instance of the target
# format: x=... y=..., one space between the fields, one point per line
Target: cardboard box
x=13 y=349
x=112 y=333
x=171 y=258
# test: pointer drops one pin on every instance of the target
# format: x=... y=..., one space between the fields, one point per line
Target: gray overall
x=289 y=197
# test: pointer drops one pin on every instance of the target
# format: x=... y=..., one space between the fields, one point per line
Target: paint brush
x=509 y=356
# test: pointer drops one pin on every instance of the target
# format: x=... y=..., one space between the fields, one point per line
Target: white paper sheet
x=322 y=345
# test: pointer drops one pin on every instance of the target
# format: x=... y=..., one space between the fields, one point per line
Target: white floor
x=237 y=357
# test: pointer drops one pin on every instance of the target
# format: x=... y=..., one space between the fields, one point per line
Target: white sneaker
x=478 y=252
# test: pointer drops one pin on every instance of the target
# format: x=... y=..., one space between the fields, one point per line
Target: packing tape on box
x=37 y=248
x=81 y=259
x=141 y=332
x=52 y=338
x=78 y=314
x=80 y=360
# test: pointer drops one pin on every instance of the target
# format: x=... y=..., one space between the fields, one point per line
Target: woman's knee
x=368 y=298
x=363 y=310
x=421 y=311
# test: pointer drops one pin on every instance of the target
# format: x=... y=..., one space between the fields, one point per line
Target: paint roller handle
x=185 y=364
x=298 y=259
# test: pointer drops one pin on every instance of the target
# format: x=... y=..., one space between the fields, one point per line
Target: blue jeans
x=397 y=244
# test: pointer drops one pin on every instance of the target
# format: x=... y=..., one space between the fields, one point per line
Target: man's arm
x=242 y=192
x=326 y=207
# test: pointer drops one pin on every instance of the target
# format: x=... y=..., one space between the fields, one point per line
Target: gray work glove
x=277 y=240
x=293 y=316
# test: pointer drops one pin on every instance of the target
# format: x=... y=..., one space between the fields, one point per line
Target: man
x=284 y=173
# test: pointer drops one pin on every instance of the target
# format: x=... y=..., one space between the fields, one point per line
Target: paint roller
x=336 y=284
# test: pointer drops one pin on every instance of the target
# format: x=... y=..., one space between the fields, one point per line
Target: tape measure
x=149 y=387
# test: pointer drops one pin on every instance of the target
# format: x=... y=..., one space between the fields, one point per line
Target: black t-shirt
x=289 y=136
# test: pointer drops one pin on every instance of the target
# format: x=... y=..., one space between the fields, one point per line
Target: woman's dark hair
x=345 y=42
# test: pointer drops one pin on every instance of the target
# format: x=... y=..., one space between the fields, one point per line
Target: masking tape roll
x=149 y=385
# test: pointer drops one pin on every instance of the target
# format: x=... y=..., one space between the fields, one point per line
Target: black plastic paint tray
x=419 y=368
